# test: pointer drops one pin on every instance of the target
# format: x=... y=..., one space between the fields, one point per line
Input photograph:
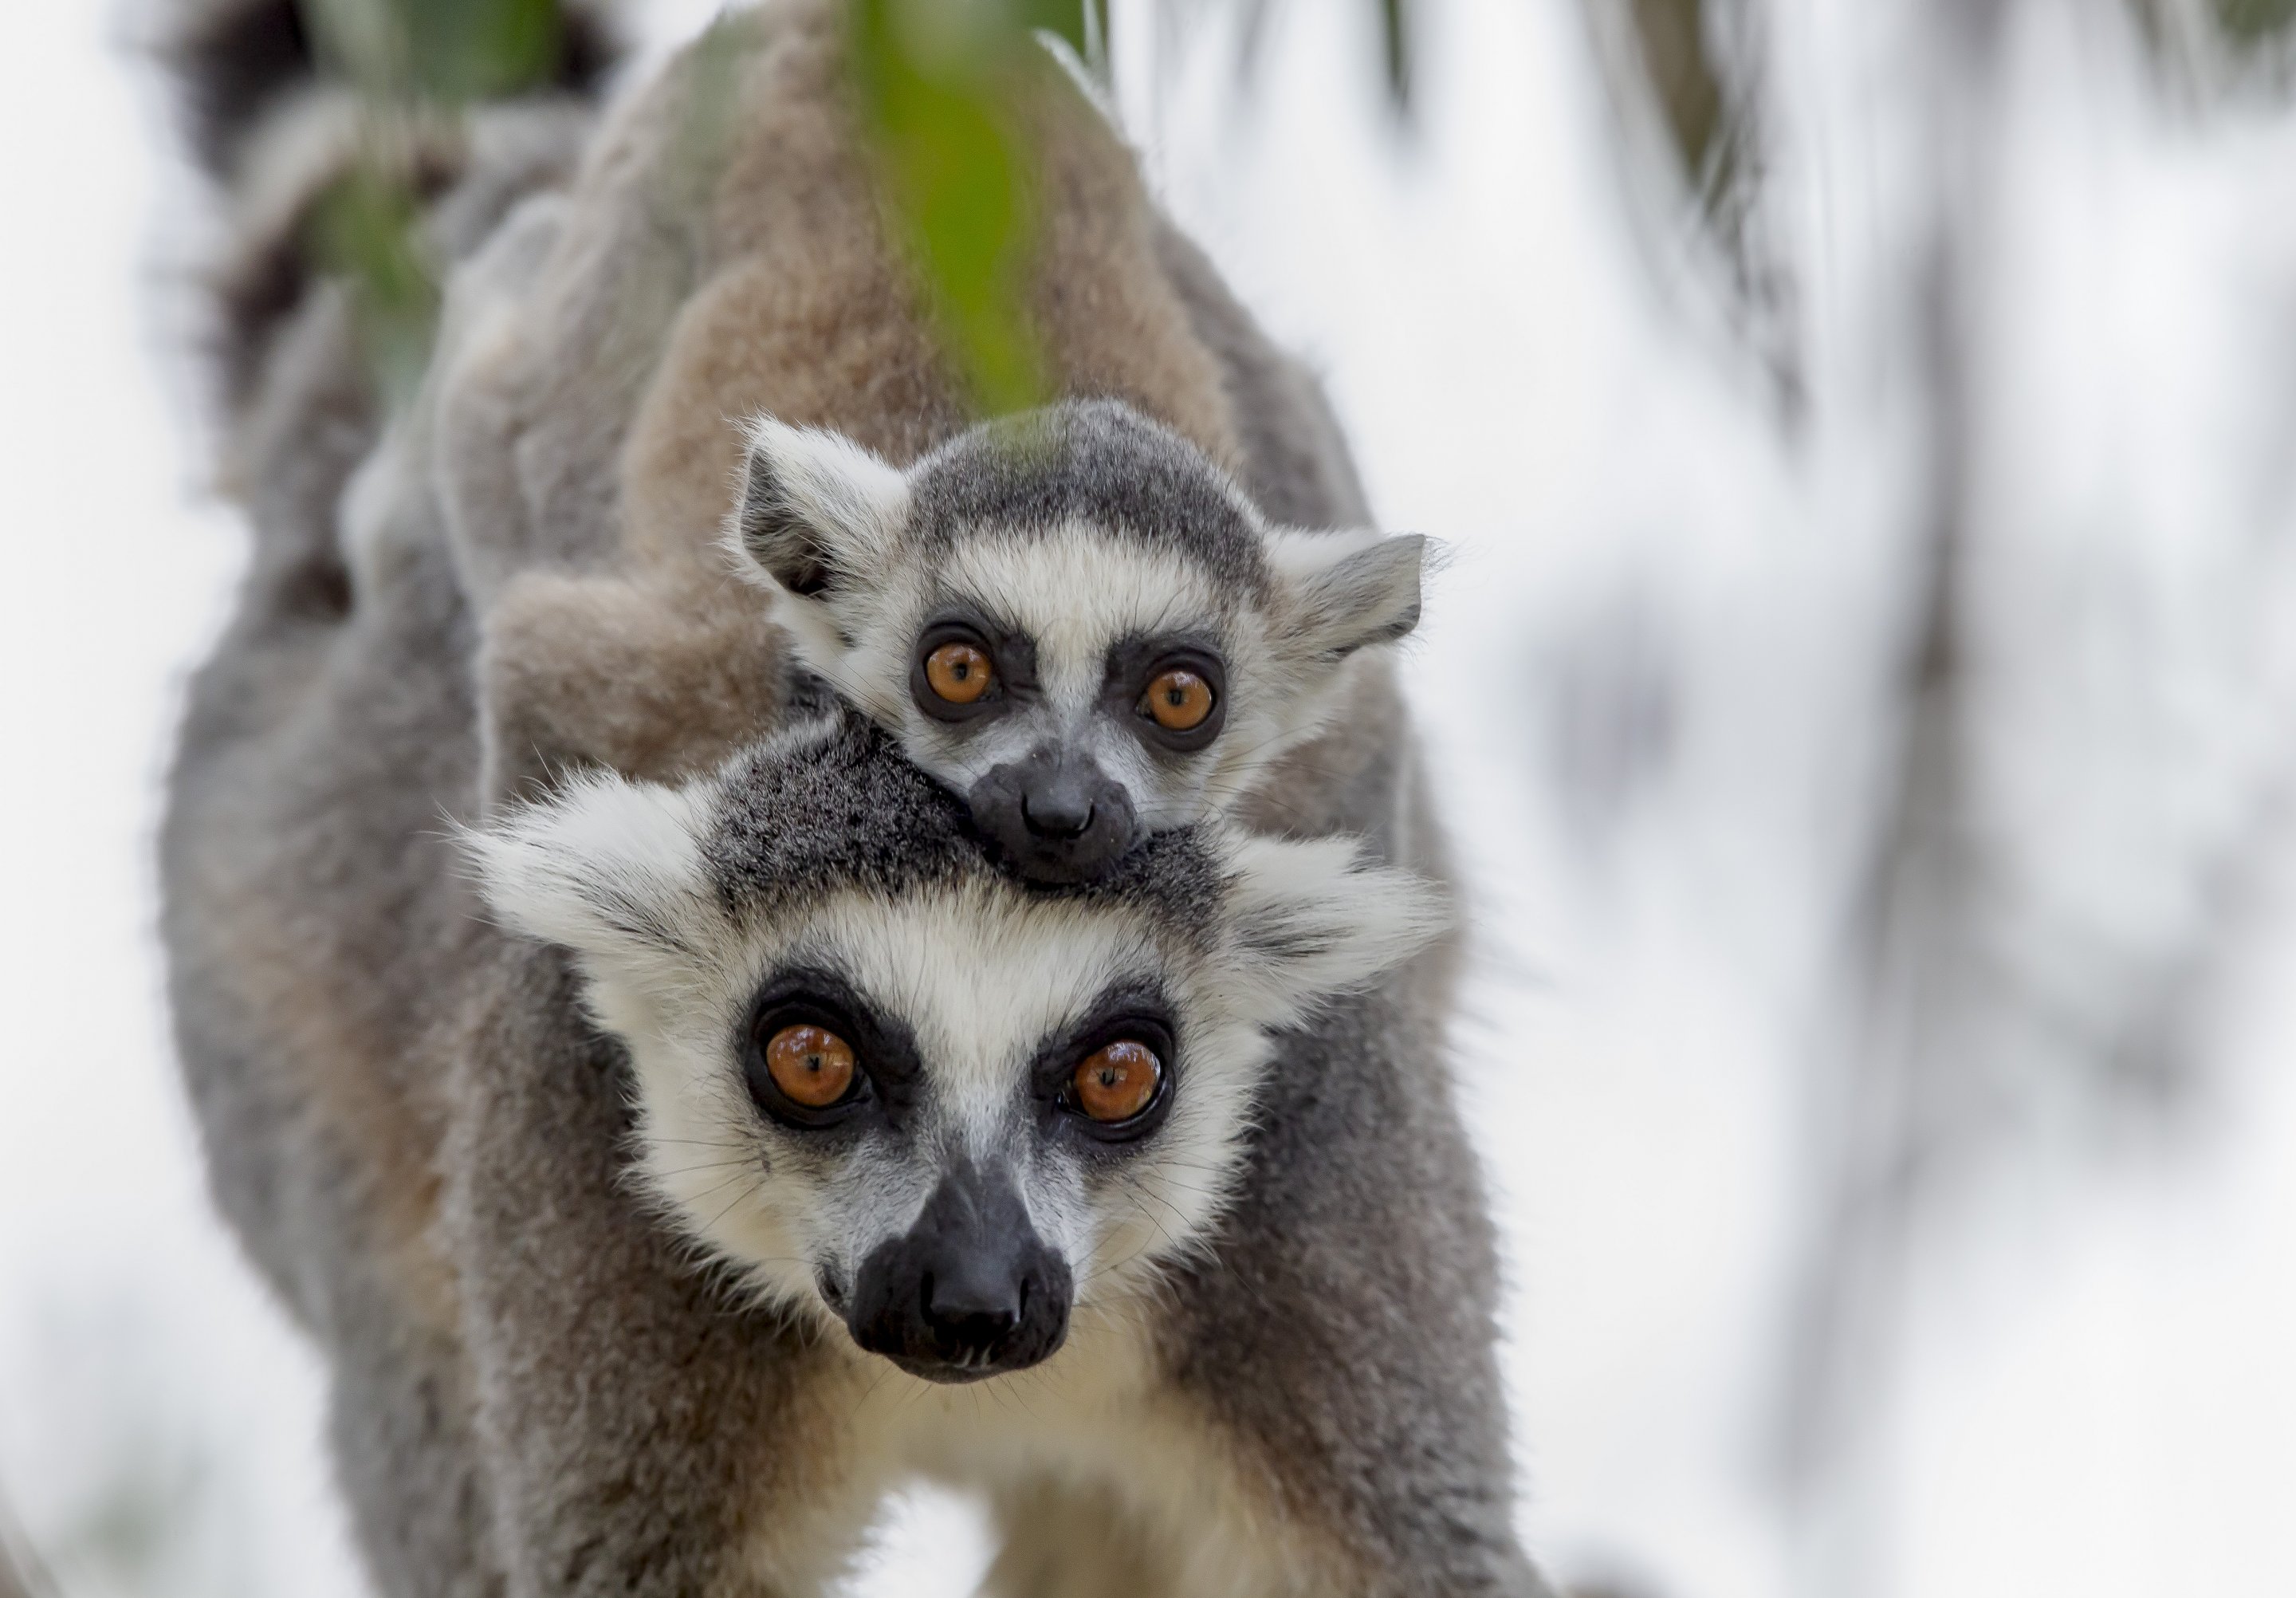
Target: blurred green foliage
x=941 y=84
x=439 y=51
x=939 y=81
x=368 y=228
x=409 y=59
x=1671 y=35
x=2204 y=37
x=2251 y=23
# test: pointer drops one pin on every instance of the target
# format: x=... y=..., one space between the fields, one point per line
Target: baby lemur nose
x=1059 y=808
x=971 y=1291
x=1057 y=816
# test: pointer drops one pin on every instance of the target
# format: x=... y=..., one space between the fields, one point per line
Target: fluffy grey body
x=434 y=1150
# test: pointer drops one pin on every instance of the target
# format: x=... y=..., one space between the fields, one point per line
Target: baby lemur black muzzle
x=969 y=1291
x=1056 y=815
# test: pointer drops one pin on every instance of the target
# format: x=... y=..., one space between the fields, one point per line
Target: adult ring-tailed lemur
x=736 y=938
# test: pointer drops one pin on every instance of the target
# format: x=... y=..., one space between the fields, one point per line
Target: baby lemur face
x=898 y=1088
x=1072 y=619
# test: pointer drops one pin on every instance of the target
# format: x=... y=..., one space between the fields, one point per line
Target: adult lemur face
x=897 y=1087
x=1072 y=619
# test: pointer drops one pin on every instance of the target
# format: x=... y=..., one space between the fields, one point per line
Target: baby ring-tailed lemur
x=1074 y=619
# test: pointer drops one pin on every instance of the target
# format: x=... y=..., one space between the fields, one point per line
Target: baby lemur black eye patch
x=1172 y=692
x=966 y=666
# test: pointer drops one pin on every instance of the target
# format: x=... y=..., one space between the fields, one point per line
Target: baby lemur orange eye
x=1179 y=700
x=1117 y=1081
x=810 y=1064
x=958 y=673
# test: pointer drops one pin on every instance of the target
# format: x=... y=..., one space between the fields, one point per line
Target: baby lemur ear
x=1307 y=918
x=1346 y=590
x=814 y=506
x=608 y=868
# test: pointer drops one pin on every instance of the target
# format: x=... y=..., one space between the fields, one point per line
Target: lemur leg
x=1343 y=1335
x=301 y=833
x=399 y=1423
x=646 y=1434
x=1071 y=1540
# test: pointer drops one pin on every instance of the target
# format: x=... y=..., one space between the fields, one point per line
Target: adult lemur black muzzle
x=969 y=1291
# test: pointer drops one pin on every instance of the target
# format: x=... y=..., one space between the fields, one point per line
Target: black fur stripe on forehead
x=833 y=805
x=1097 y=461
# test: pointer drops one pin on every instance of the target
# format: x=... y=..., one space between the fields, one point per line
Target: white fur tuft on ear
x=610 y=866
x=1347 y=591
x=1309 y=918
x=813 y=506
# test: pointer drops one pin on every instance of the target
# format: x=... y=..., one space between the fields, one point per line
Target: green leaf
x=366 y=228
x=940 y=91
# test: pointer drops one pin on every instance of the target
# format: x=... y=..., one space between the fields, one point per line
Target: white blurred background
x=1862 y=693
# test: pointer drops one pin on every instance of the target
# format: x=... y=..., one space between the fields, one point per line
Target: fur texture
x=412 y=1119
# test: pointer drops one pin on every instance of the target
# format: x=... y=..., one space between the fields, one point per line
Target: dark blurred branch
x=21 y=1574
x=1670 y=37
x=1690 y=119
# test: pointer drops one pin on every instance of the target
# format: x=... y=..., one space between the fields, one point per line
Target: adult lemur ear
x=1345 y=591
x=609 y=867
x=1310 y=919
x=814 y=506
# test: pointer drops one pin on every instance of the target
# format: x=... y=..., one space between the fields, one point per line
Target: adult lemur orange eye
x=1179 y=700
x=1116 y=1081
x=958 y=673
x=810 y=1064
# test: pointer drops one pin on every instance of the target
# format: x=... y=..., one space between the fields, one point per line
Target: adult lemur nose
x=969 y=1290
